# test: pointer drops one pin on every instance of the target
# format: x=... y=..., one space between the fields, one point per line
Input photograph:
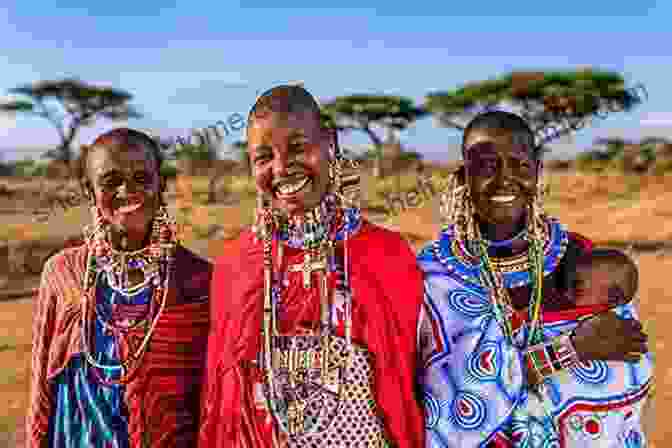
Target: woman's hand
x=607 y=337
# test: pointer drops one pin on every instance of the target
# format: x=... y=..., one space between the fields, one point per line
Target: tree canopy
x=69 y=104
x=365 y=113
x=553 y=102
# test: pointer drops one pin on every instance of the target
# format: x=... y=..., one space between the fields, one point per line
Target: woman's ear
x=86 y=189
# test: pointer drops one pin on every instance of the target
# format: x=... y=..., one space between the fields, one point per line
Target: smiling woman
x=122 y=284
x=315 y=278
x=498 y=284
x=290 y=154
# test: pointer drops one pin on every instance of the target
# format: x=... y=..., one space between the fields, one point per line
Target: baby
x=605 y=277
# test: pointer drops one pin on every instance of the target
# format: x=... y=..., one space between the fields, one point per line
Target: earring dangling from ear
x=538 y=201
x=166 y=225
x=263 y=217
x=450 y=201
x=98 y=221
x=95 y=234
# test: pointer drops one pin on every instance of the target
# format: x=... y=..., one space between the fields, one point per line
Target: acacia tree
x=365 y=113
x=554 y=103
x=68 y=105
x=613 y=146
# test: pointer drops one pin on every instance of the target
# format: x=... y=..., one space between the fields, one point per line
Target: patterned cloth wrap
x=326 y=420
x=473 y=377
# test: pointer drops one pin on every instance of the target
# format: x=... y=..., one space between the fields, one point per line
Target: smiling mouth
x=287 y=189
x=503 y=199
x=126 y=209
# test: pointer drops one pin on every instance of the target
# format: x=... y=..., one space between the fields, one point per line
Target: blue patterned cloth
x=87 y=413
x=473 y=377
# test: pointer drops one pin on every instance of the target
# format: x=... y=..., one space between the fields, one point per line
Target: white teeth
x=502 y=198
x=288 y=189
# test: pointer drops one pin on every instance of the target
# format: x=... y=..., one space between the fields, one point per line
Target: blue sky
x=190 y=64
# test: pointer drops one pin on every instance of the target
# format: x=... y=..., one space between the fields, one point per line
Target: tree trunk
x=248 y=164
x=212 y=188
x=378 y=145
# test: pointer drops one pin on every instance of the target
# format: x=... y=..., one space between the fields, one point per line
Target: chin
x=298 y=204
x=506 y=219
x=134 y=224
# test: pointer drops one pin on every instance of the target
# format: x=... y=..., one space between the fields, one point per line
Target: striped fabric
x=86 y=412
x=161 y=402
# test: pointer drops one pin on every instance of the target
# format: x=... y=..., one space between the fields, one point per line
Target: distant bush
x=371 y=154
x=39 y=170
x=24 y=168
x=594 y=160
x=6 y=170
x=193 y=152
x=169 y=171
x=410 y=155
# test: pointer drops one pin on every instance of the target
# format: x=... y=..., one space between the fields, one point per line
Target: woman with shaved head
x=121 y=321
x=315 y=310
x=509 y=359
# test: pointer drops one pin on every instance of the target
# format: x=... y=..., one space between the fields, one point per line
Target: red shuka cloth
x=163 y=397
x=388 y=294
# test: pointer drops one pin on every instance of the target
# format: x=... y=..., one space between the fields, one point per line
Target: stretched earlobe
x=89 y=194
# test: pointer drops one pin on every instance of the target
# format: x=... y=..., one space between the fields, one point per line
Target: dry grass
x=606 y=207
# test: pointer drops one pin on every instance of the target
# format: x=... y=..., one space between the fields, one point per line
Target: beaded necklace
x=492 y=269
x=156 y=260
x=336 y=224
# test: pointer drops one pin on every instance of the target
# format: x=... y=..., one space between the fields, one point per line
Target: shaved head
x=284 y=100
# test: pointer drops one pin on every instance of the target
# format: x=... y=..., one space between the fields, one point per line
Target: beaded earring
x=96 y=233
x=465 y=226
x=262 y=213
x=535 y=221
x=447 y=204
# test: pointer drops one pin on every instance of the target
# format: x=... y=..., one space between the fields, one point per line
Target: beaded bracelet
x=550 y=357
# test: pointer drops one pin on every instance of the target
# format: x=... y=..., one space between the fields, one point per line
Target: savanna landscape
x=619 y=195
x=613 y=208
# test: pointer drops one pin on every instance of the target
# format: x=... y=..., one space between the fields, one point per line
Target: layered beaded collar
x=326 y=222
x=515 y=270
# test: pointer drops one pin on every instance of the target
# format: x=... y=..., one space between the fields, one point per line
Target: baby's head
x=605 y=276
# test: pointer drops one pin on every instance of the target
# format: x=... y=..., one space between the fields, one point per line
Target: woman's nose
x=504 y=173
x=280 y=165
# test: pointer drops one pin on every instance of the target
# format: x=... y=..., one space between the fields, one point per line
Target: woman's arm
x=605 y=337
x=40 y=404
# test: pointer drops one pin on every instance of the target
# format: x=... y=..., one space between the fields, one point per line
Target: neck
x=128 y=240
x=312 y=228
x=501 y=232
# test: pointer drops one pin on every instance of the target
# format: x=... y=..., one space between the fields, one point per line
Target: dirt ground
x=608 y=209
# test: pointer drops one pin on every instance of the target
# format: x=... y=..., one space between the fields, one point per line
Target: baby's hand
x=608 y=337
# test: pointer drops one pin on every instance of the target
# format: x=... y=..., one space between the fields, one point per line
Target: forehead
x=104 y=159
x=275 y=126
x=498 y=141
